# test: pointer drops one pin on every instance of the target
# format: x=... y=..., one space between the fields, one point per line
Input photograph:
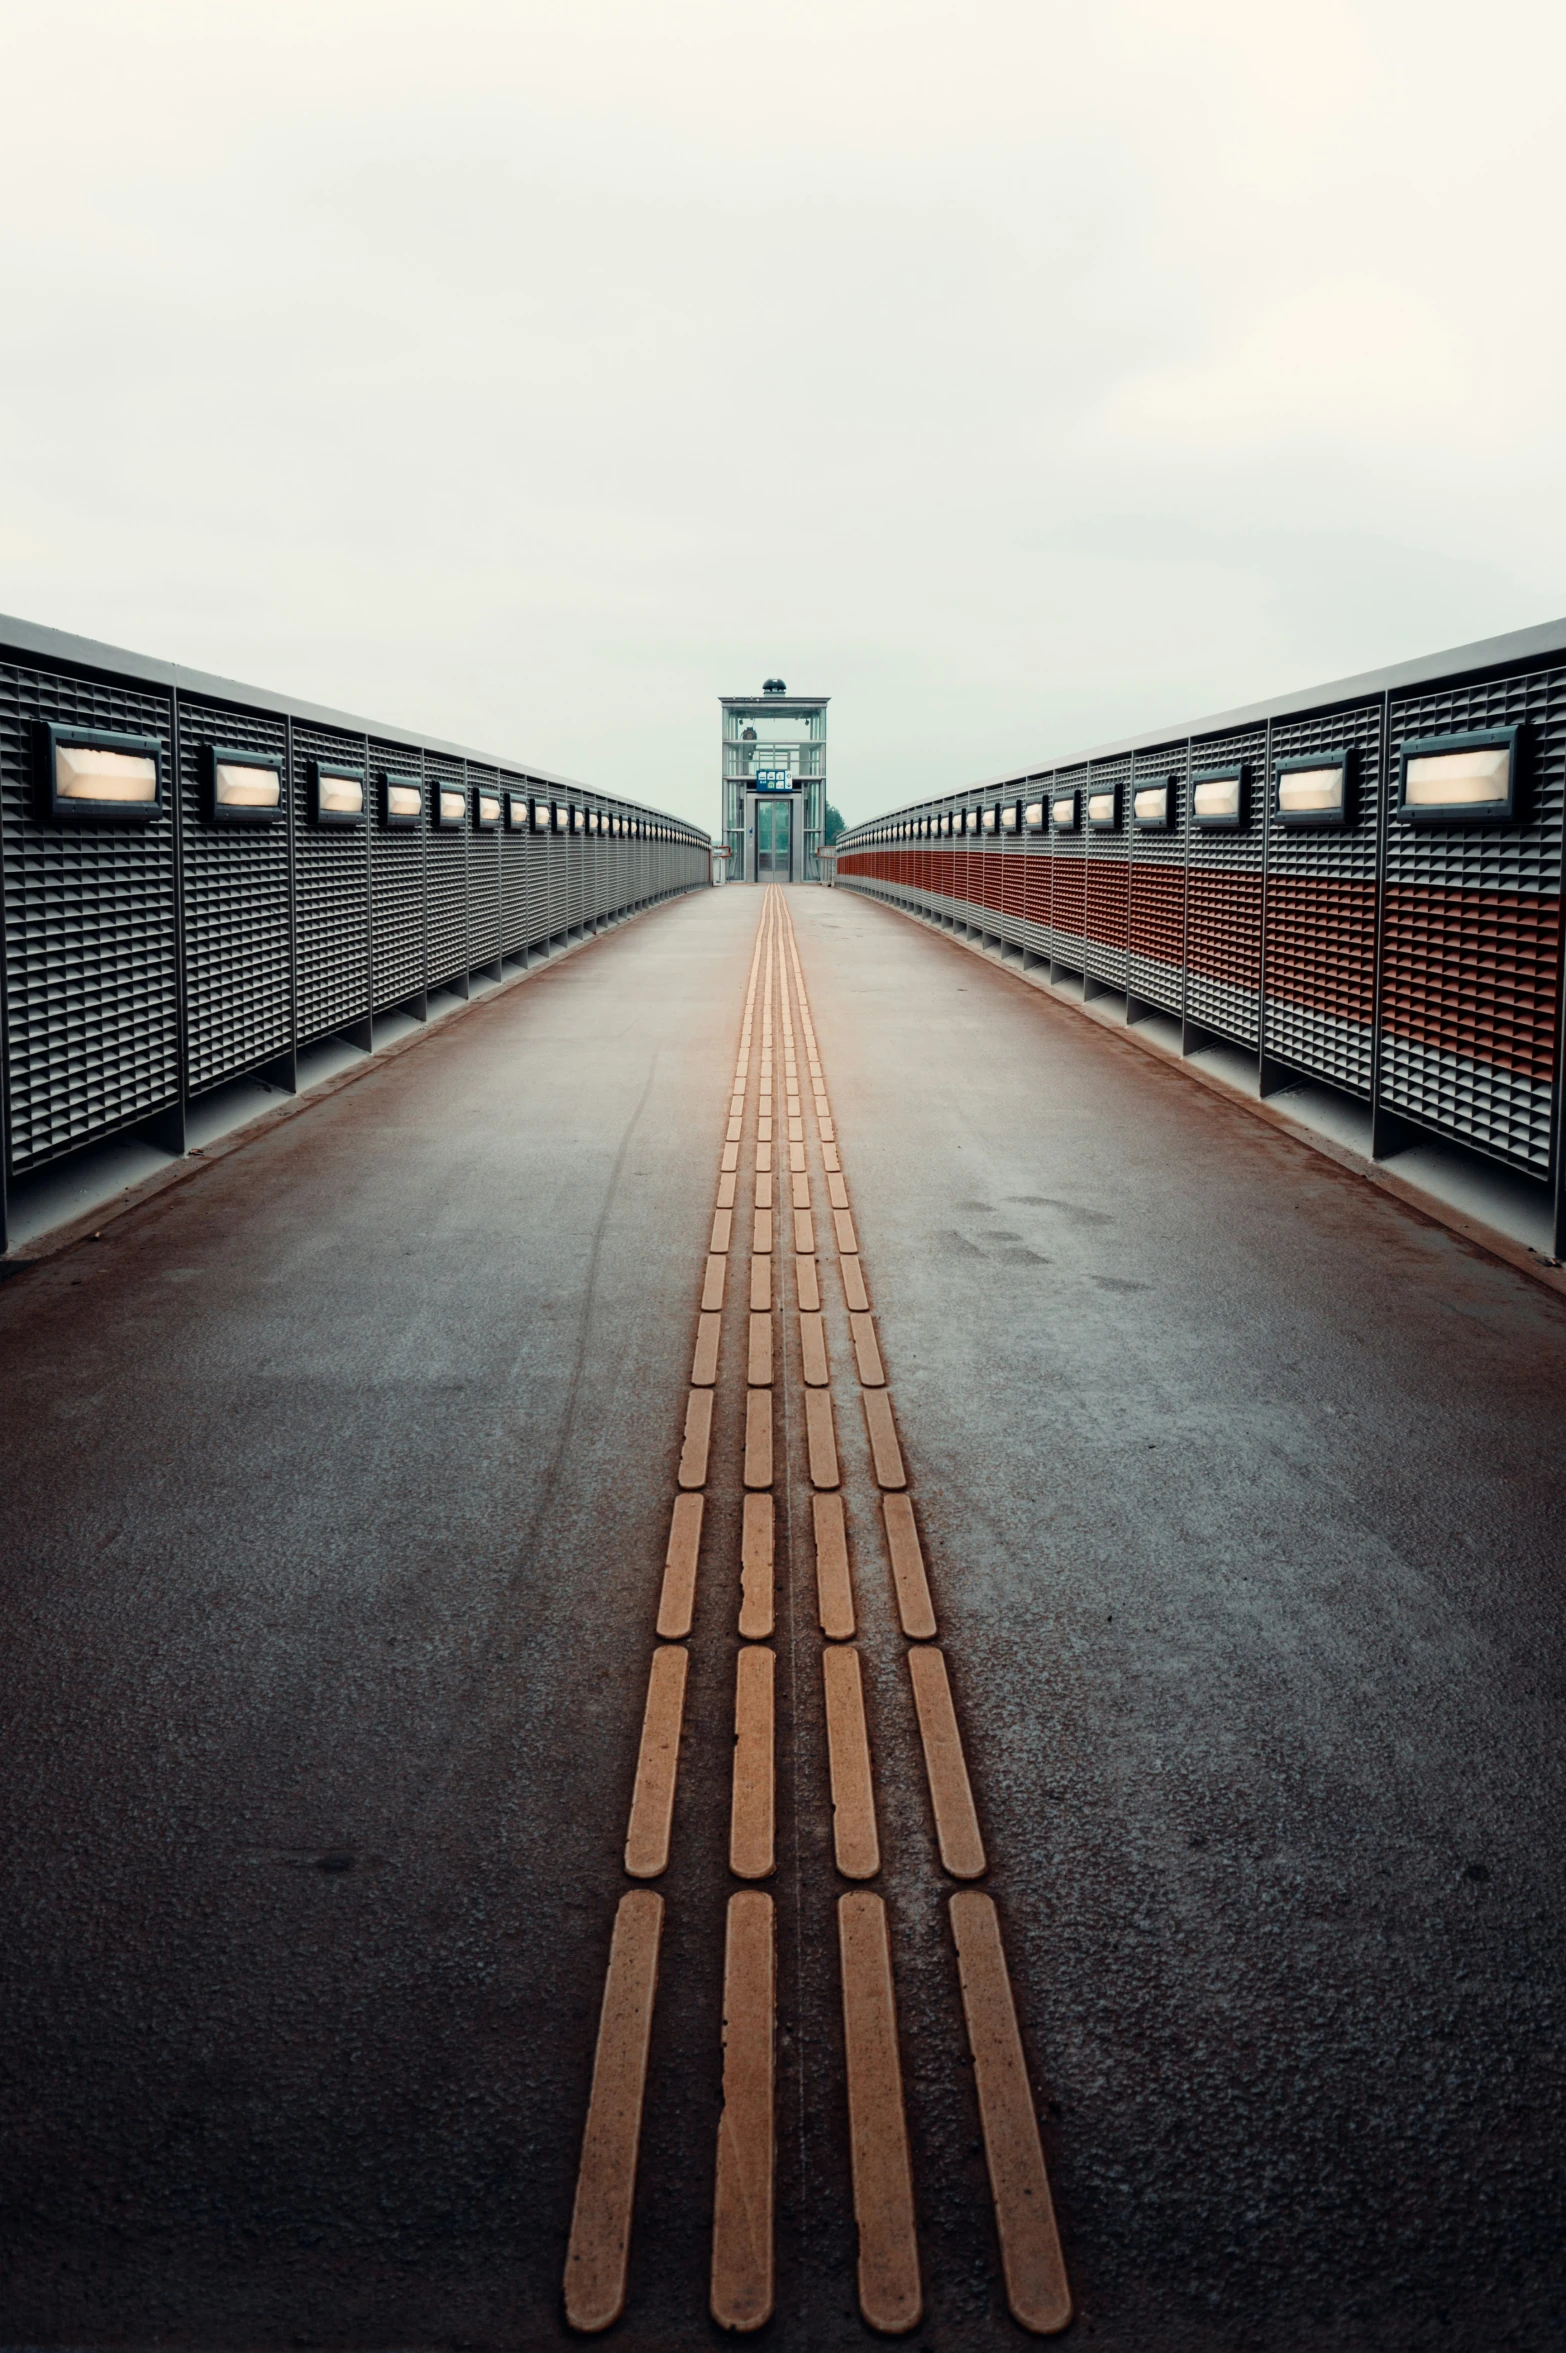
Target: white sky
x=1017 y=374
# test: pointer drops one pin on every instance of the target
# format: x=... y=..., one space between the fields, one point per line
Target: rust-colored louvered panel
x=1473 y=973
x=1156 y=913
x=1223 y=926
x=1321 y=945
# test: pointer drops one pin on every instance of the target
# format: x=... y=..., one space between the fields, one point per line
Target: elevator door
x=773 y=822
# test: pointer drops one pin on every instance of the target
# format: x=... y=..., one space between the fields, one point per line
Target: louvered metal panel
x=92 y=1015
x=446 y=856
x=1106 y=878
x=515 y=861
x=1321 y=909
x=1068 y=874
x=1471 y=935
x=397 y=882
x=237 y=922
x=1223 y=906
x=331 y=896
x=1155 y=906
x=483 y=875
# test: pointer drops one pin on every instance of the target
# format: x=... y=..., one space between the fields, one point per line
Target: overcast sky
x=1019 y=375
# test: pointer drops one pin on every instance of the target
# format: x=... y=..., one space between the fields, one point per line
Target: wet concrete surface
x=335 y=1492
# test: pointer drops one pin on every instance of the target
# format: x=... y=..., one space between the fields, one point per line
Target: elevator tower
x=774 y=783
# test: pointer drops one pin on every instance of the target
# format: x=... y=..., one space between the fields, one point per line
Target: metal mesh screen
x=397 y=874
x=1223 y=906
x=1321 y=911
x=1471 y=936
x=331 y=897
x=447 y=868
x=238 y=933
x=92 y=1016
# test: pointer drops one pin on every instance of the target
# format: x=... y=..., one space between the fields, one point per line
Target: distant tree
x=834 y=824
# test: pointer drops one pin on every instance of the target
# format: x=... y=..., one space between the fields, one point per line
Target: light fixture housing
x=1033 y=817
x=96 y=776
x=402 y=801
x=1218 y=798
x=1063 y=814
x=990 y=819
x=1468 y=779
x=1009 y=817
x=1312 y=789
x=336 y=794
x=240 y=788
x=448 y=808
x=486 y=809
x=578 y=819
x=519 y=812
x=1152 y=806
x=1103 y=808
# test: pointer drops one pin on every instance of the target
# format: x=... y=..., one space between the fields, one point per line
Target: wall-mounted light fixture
x=486 y=809
x=1312 y=790
x=990 y=819
x=1152 y=806
x=402 y=801
x=91 y=775
x=1466 y=779
x=336 y=794
x=450 y=807
x=1009 y=817
x=1063 y=814
x=1103 y=808
x=1033 y=816
x=519 y=812
x=240 y=788
x=578 y=819
x=1218 y=798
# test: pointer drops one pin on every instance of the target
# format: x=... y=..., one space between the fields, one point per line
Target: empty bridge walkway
x=776 y=1640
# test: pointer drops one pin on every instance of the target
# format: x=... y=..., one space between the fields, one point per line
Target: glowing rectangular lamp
x=971 y=821
x=336 y=794
x=1063 y=815
x=451 y=806
x=486 y=810
x=241 y=788
x=1313 y=790
x=1218 y=798
x=95 y=775
x=402 y=802
x=578 y=821
x=1009 y=818
x=1033 y=816
x=1466 y=779
x=1103 y=811
x=990 y=818
x=1150 y=806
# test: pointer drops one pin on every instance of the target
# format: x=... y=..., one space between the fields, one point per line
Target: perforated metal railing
x=1412 y=963
x=150 y=959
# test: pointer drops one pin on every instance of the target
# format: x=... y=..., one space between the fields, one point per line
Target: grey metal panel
x=91 y=954
x=1223 y=903
x=447 y=870
x=1106 y=878
x=483 y=876
x=1471 y=934
x=1155 y=915
x=397 y=884
x=235 y=906
x=1321 y=910
x=331 y=897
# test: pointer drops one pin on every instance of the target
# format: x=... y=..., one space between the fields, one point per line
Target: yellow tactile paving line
x=776 y=1055
x=1037 y=2290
